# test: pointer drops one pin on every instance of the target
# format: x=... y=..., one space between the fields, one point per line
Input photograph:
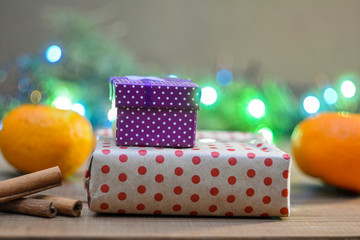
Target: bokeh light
x=330 y=96
x=62 y=103
x=208 y=95
x=256 y=108
x=172 y=76
x=267 y=134
x=112 y=114
x=53 y=53
x=35 y=96
x=311 y=104
x=224 y=77
x=348 y=89
x=24 y=84
x=79 y=108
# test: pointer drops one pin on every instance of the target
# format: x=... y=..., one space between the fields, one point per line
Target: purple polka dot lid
x=153 y=111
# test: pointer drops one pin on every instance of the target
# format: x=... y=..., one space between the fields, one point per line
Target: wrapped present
x=154 y=111
x=240 y=178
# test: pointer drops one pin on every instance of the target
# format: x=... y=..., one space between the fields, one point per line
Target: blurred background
x=262 y=65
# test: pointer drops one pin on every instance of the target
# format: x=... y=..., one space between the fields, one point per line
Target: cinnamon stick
x=64 y=206
x=18 y=187
x=29 y=206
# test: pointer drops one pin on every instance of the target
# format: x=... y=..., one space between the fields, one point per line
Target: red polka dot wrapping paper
x=215 y=178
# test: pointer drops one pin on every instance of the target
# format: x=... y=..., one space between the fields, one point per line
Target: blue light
x=53 y=53
x=173 y=76
x=224 y=77
x=330 y=96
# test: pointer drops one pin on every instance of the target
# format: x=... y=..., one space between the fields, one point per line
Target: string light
x=62 y=103
x=256 y=108
x=208 y=95
x=330 y=96
x=311 y=104
x=53 y=53
x=348 y=89
x=35 y=96
x=267 y=134
x=172 y=76
x=79 y=108
x=112 y=114
x=224 y=77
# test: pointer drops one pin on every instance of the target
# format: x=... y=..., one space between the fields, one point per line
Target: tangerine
x=36 y=137
x=327 y=146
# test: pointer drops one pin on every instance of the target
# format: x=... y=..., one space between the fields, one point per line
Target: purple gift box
x=154 y=111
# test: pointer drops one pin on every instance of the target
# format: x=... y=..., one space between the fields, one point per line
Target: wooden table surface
x=317 y=211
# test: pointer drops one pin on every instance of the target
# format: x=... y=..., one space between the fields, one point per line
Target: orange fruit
x=35 y=137
x=327 y=146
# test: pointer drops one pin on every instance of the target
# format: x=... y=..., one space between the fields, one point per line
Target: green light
x=208 y=95
x=267 y=134
x=62 y=102
x=348 y=89
x=256 y=108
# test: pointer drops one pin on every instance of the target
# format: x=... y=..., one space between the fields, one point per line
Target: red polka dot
x=194 y=198
x=214 y=191
x=122 y=177
x=215 y=154
x=106 y=151
x=286 y=156
x=250 y=192
x=259 y=145
x=105 y=169
x=142 y=170
x=178 y=171
x=248 y=148
x=142 y=152
x=123 y=147
x=268 y=162
x=87 y=174
x=157 y=212
x=248 y=209
x=179 y=153
x=264 y=215
x=232 y=161
x=229 y=214
x=193 y=213
x=140 y=207
x=266 y=200
x=232 y=180
x=195 y=148
x=159 y=178
x=284 y=211
x=158 y=197
x=160 y=159
x=104 y=206
x=267 y=181
x=121 y=211
x=141 y=189
x=122 y=196
x=215 y=172
x=230 y=198
x=286 y=174
x=196 y=160
x=123 y=158
x=212 y=208
x=285 y=192
x=104 y=188
x=251 y=173
x=213 y=147
x=178 y=190
x=231 y=149
x=176 y=207
x=251 y=155
x=195 y=179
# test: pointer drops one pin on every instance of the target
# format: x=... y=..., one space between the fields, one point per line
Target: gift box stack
x=155 y=166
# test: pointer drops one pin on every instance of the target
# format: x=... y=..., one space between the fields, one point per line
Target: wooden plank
x=317 y=211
